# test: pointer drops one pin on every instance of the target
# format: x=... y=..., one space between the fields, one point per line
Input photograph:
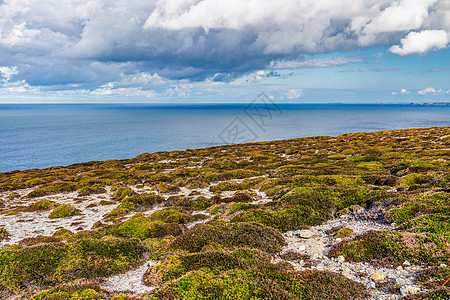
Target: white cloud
x=18 y=88
x=260 y=75
x=421 y=42
x=149 y=44
x=109 y=90
x=401 y=92
x=375 y=70
x=8 y=72
x=294 y=94
x=400 y=16
x=432 y=91
x=315 y=62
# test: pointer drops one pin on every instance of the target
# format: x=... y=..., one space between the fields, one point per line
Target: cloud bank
x=139 y=45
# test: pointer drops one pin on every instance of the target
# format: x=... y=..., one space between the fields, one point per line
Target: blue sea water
x=43 y=135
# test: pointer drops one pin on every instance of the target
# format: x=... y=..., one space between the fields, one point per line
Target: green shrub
x=142 y=227
x=285 y=219
x=386 y=248
x=261 y=284
x=230 y=235
x=89 y=190
x=54 y=188
x=13 y=196
x=63 y=211
x=166 y=188
x=62 y=233
x=121 y=193
x=43 y=204
x=170 y=216
x=412 y=180
x=200 y=203
x=344 y=233
x=73 y=292
x=135 y=202
x=38 y=240
x=3 y=233
x=45 y=264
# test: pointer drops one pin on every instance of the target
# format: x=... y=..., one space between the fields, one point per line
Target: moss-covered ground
x=304 y=182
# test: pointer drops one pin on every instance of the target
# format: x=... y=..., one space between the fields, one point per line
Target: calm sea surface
x=37 y=136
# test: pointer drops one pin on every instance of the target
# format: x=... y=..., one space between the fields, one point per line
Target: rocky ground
x=383 y=283
x=313 y=243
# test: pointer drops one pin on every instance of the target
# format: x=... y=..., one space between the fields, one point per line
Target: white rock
x=399 y=268
x=305 y=234
x=409 y=290
x=371 y=285
x=338 y=240
x=400 y=281
x=340 y=259
x=301 y=248
x=443 y=265
x=320 y=267
x=406 y=263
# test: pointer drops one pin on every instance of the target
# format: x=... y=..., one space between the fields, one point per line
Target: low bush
x=171 y=216
x=142 y=227
x=135 y=202
x=63 y=211
x=121 y=193
x=43 y=204
x=89 y=190
x=45 y=264
x=3 y=233
x=387 y=248
x=230 y=235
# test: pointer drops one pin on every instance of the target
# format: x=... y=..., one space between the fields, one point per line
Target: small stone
x=338 y=240
x=378 y=276
x=320 y=267
x=301 y=248
x=371 y=285
x=399 y=268
x=340 y=259
x=304 y=234
x=400 y=281
x=406 y=263
x=393 y=224
x=409 y=290
x=443 y=265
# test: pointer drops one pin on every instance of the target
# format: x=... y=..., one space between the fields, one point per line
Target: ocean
x=44 y=135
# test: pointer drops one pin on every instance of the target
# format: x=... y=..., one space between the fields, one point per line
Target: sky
x=204 y=51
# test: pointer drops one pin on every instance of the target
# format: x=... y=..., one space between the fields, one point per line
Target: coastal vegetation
x=214 y=220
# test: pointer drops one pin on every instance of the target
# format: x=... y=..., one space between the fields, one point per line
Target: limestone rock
x=371 y=285
x=304 y=234
x=400 y=281
x=340 y=259
x=378 y=276
x=409 y=290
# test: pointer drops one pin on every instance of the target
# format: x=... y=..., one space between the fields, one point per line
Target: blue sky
x=182 y=51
